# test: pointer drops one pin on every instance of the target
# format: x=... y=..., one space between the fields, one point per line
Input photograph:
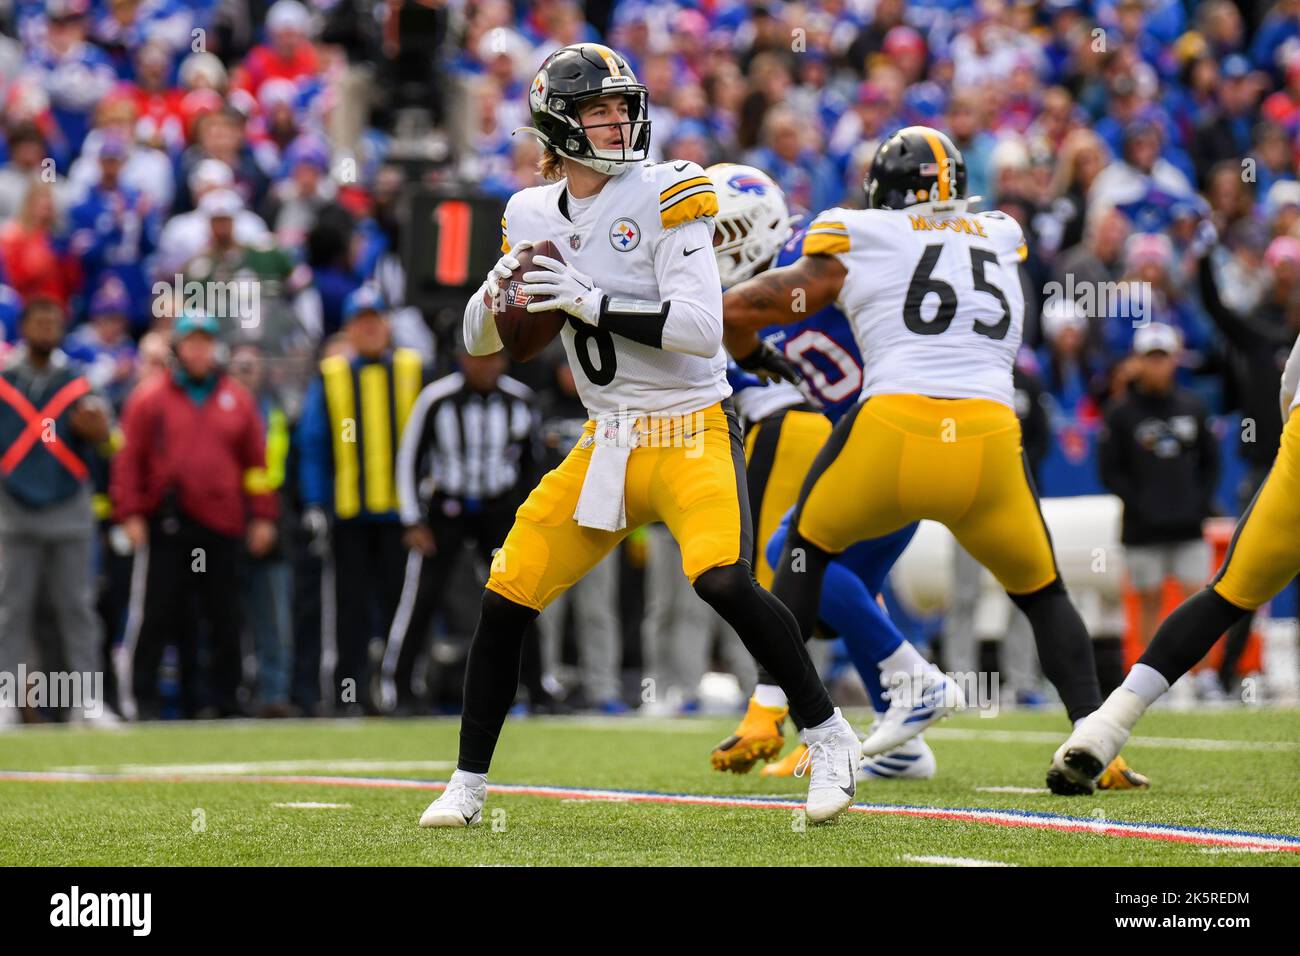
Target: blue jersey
x=822 y=345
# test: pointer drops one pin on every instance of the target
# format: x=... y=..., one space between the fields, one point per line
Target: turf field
x=349 y=792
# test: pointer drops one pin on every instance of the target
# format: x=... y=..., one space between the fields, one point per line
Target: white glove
x=569 y=289
x=504 y=267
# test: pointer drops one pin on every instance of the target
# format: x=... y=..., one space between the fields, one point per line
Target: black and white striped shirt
x=459 y=443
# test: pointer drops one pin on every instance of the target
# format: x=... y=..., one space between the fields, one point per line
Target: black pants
x=191 y=568
x=369 y=567
x=308 y=573
x=485 y=529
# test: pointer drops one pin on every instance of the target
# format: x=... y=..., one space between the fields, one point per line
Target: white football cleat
x=833 y=758
x=459 y=806
x=914 y=705
x=1089 y=750
x=914 y=760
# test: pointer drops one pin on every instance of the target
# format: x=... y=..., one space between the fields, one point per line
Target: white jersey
x=645 y=239
x=934 y=299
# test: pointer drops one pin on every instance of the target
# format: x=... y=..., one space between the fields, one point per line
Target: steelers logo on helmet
x=915 y=165
x=569 y=77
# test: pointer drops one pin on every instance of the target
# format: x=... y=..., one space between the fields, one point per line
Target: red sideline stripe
x=1147 y=831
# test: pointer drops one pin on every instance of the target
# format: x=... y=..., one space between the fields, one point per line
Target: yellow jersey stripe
x=697 y=206
x=940 y=157
x=825 y=244
x=685 y=184
x=827 y=224
x=1022 y=251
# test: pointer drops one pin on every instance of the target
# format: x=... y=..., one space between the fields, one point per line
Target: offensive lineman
x=754 y=231
x=934 y=296
x=644 y=339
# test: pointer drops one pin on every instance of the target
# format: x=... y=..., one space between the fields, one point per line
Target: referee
x=469 y=455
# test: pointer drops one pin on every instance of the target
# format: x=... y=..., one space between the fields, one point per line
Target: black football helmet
x=915 y=165
x=576 y=73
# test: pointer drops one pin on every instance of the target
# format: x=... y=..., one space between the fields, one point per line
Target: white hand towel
x=600 y=504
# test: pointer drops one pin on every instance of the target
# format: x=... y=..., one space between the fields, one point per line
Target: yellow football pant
x=896 y=459
x=687 y=471
x=1264 y=555
x=779 y=450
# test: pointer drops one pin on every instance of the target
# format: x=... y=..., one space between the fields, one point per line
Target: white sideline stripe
x=953 y=860
x=1169 y=743
x=1012 y=790
x=309 y=805
x=1017 y=818
x=263 y=766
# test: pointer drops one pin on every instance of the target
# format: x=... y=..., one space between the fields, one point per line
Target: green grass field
x=1247 y=782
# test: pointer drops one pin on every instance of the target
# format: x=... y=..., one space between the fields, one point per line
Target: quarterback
x=933 y=293
x=644 y=340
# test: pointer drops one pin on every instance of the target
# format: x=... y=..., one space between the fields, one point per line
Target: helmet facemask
x=577 y=144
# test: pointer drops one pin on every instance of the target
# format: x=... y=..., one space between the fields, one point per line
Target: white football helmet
x=753 y=220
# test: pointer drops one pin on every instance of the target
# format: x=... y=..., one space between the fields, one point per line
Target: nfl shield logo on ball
x=515 y=295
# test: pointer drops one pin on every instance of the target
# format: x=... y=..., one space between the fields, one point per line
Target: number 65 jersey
x=645 y=240
x=935 y=300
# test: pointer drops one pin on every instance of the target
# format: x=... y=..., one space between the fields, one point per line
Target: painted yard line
x=1169 y=743
x=310 y=805
x=1012 y=790
x=264 y=766
x=1015 y=818
x=953 y=861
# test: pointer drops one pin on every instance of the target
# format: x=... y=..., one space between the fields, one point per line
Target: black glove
x=770 y=364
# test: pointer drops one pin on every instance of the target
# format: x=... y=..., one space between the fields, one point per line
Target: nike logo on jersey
x=680 y=166
x=688 y=252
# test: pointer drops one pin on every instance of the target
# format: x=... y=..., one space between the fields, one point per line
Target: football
x=525 y=333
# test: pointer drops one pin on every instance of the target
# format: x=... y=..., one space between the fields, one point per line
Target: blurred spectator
x=103 y=346
x=266 y=582
x=114 y=229
x=188 y=234
x=794 y=162
x=50 y=425
x=349 y=432
x=76 y=74
x=1159 y=454
x=288 y=53
x=35 y=261
x=181 y=488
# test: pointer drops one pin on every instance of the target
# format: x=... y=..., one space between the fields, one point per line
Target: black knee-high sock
x=798 y=586
x=770 y=634
x=491 y=678
x=1189 y=633
x=1109 y=653
x=1064 y=648
x=1233 y=648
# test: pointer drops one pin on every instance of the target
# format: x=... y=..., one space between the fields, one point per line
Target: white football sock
x=1146 y=682
x=770 y=695
x=471 y=780
x=825 y=725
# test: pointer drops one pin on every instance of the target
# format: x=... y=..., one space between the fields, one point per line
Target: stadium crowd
x=1148 y=148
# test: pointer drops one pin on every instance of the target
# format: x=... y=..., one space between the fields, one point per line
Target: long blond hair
x=551 y=165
